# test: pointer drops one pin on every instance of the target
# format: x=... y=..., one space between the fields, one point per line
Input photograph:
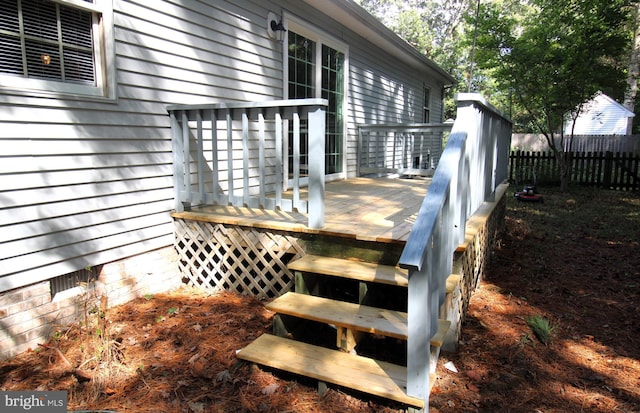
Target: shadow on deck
x=364 y=209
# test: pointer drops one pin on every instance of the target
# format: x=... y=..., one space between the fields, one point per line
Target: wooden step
x=342 y=314
x=438 y=338
x=357 y=317
x=361 y=271
x=347 y=370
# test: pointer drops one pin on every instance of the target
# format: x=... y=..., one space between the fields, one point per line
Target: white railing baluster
x=296 y=160
x=245 y=158
x=215 y=168
x=261 y=184
x=200 y=163
x=280 y=178
x=230 y=166
x=261 y=160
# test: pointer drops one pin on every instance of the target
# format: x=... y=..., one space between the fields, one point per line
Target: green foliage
x=554 y=55
x=542 y=328
x=536 y=60
x=553 y=58
x=436 y=29
x=525 y=340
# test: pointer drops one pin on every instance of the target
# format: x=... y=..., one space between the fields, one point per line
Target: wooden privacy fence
x=236 y=154
x=405 y=149
x=580 y=143
x=608 y=170
x=471 y=171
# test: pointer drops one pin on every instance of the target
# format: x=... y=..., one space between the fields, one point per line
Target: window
x=426 y=107
x=52 y=46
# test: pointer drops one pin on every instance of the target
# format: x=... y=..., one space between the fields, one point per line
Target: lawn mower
x=530 y=191
x=529 y=194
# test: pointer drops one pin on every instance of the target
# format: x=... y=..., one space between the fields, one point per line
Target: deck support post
x=316 y=167
x=322 y=388
x=419 y=341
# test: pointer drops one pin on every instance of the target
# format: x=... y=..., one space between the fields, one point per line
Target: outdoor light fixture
x=45 y=58
x=275 y=28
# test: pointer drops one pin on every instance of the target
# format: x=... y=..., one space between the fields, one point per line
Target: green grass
x=605 y=214
x=542 y=328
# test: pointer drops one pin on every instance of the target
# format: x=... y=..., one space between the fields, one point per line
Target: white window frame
x=104 y=62
x=306 y=29
x=426 y=104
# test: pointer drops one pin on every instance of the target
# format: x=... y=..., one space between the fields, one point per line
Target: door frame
x=306 y=29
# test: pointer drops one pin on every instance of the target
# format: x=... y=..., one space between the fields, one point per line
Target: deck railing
x=234 y=154
x=404 y=149
x=473 y=164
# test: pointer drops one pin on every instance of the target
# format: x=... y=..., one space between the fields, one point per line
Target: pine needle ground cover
x=573 y=261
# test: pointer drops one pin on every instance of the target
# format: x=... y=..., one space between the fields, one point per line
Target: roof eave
x=352 y=15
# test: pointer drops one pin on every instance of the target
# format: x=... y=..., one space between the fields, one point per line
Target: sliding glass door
x=317 y=70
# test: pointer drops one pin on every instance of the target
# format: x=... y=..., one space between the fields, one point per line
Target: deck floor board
x=371 y=209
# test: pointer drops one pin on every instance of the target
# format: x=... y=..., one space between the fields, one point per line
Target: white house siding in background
x=602 y=116
x=88 y=180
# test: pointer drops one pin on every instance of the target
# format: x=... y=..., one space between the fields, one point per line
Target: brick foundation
x=29 y=315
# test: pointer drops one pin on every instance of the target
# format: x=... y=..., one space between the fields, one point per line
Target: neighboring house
x=602 y=116
x=86 y=182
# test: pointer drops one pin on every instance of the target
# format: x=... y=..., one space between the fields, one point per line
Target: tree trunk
x=634 y=68
x=564 y=174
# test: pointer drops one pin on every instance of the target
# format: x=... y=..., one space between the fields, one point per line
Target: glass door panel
x=305 y=66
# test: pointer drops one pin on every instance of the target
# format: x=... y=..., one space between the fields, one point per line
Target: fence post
x=608 y=168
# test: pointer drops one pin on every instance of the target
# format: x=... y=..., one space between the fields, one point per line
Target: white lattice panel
x=227 y=257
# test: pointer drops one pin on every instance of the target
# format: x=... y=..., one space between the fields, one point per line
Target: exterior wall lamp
x=275 y=27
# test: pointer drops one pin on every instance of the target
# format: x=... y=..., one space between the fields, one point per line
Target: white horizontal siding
x=29 y=164
x=84 y=182
x=601 y=116
x=52 y=179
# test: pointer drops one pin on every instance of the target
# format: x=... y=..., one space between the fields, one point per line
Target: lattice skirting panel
x=472 y=262
x=233 y=258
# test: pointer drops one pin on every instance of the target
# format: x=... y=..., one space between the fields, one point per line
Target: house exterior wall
x=30 y=314
x=88 y=180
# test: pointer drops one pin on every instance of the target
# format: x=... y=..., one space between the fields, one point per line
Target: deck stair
x=349 y=318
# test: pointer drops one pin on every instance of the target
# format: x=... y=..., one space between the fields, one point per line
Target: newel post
x=316 y=167
x=419 y=340
x=178 y=161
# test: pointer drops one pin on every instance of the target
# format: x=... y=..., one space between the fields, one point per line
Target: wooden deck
x=368 y=209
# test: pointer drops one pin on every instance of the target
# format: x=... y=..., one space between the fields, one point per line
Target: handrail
x=473 y=164
x=248 y=141
x=404 y=149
